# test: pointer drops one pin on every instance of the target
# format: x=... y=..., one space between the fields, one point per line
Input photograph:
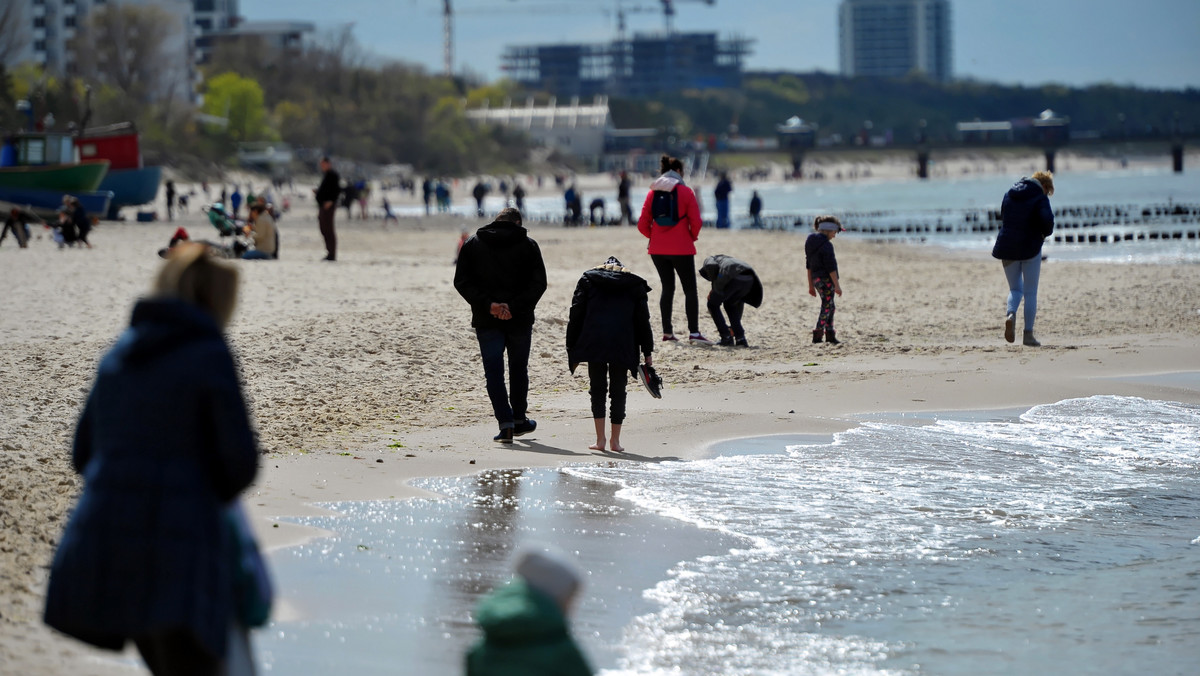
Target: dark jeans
x=685 y=267
x=508 y=404
x=325 y=220
x=733 y=299
x=606 y=380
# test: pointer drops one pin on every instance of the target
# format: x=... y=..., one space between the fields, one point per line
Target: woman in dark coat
x=1027 y=221
x=608 y=327
x=164 y=444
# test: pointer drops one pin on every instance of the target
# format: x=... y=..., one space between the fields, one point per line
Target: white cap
x=549 y=572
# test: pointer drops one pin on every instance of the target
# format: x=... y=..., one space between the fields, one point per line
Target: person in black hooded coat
x=609 y=326
x=1027 y=220
x=500 y=273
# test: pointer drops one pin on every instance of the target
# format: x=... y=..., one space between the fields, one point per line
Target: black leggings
x=685 y=267
x=608 y=379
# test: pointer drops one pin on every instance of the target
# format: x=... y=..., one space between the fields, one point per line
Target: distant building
x=575 y=129
x=646 y=65
x=893 y=38
x=51 y=26
x=279 y=35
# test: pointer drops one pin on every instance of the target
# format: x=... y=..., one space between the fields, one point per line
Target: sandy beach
x=364 y=374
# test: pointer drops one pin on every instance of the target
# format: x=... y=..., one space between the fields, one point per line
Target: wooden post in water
x=1050 y=159
x=1177 y=157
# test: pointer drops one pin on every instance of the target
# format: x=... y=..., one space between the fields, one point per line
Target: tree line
x=330 y=96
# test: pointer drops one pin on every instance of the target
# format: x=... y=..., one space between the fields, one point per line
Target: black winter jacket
x=721 y=270
x=1027 y=222
x=330 y=188
x=500 y=263
x=610 y=319
x=819 y=256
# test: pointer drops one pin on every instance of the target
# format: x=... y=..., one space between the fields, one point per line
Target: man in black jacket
x=501 y=275
x=327 y=199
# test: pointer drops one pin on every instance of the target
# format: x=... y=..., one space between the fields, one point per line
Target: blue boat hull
x=47 y=202
x=131 y=187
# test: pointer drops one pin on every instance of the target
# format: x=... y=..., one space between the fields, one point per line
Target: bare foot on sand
x=617 y=448
x=599 y=445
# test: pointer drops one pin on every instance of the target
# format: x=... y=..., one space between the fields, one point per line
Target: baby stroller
x=227 y=226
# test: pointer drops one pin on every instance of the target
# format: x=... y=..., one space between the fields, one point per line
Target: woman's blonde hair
x=1046 y=178
x=190 y=274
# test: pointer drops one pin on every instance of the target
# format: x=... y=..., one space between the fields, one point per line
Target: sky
x=1147 y=43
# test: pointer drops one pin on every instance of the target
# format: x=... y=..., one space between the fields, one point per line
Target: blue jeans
x=255 y=255
x=1023 y=282
x=508 y=404
x=723 y=213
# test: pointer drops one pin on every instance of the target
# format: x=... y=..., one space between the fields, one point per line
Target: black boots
x=831 y=337
x=818 y=336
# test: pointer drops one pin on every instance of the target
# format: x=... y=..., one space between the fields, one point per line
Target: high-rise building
x=51 y=27
x=644 y=65
x=893 y=38
x=212 y=16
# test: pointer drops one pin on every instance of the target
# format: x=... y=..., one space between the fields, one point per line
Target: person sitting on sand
x=823 y=274
x=609 y=325
x=734 y=284
x=524 y=622
x=262 y=230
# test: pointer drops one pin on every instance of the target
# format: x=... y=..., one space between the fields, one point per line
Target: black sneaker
x=505 y=436
x=741 y=342
x=523 y=427
x=726 y=341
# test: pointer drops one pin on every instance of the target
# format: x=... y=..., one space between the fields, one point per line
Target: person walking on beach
x=734 y=285
x=524 y=623
x=721 y=193
x=755 y=210
x=426 y=193
x=164 y=445
x=623 y=186
x=500 y=273
x=518 y=194
x=609 y=328
x=327 y=201
x=170 y=200
x=81 y=219
x=235 y=201
x=1026 y=221
x=823 y=274
x=670 y=218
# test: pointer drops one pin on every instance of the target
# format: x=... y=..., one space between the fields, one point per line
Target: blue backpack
x=664 y=208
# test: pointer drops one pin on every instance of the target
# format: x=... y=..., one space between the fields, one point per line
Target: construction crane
x=667 y=8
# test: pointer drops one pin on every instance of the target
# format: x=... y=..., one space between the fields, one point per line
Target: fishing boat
x=131 y=182
x=37 y=168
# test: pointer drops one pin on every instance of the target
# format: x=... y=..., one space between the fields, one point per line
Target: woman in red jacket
x=671 y=219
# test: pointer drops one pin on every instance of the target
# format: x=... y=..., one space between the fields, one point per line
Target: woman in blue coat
x=164 y=444
x=1026 y=222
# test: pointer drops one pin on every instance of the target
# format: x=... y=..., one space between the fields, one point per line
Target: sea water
x=1065 y=539
x=1155 y=186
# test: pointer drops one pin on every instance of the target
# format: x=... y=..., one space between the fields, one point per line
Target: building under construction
x=646 y=65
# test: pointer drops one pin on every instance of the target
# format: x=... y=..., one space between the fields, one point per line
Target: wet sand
x=364 y=374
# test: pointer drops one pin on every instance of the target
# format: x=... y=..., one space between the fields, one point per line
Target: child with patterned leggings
x=823 y=274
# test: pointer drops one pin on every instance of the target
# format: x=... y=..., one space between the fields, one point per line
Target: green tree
x=240 y=101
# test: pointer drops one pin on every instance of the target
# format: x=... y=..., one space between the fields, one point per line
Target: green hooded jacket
x=524 y=634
